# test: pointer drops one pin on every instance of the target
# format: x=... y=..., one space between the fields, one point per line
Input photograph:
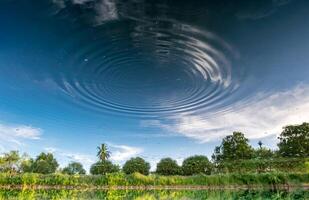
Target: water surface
x=152 y=195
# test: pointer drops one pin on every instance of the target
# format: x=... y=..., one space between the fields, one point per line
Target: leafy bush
x=136 y=165
x=196 y=165
x=168 y=166
x=136 y=179
x=74 y=168
x=103 y=167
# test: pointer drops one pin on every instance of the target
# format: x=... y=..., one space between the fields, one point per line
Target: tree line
x=234 y=154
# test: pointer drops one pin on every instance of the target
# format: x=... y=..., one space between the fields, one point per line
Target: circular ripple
x=146 y=68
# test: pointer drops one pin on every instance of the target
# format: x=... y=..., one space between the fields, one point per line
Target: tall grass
x=120 y=179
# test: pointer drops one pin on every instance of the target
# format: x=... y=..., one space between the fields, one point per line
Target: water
x=149 y=195
x=153 y=58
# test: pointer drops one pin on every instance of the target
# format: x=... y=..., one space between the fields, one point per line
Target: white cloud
x=121 y=153
x=12 y=136
x=105 y=10
x=264 y=115
x=64 y=157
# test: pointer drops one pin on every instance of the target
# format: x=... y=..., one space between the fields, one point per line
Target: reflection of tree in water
x=149 y=195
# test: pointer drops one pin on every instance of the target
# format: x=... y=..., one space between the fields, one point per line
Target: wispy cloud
x=65 y=156
x=264 y=115
x=121 y=153
x=13 y=136
x=103 y=10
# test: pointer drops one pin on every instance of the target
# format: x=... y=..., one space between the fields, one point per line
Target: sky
x=149 y=78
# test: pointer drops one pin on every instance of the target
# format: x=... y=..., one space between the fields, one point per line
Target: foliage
x=196 y=165
x=55 y=194
x=263 y=165
x=121 y=179
x=103 y=167
x=294 y=141
x=168 y=166
x=233 y=147
x=45 y=163
x=103 y=153
x=26 y=165
x=263 y=153
x=9 y=162
x=137 y=164
x=74 y=168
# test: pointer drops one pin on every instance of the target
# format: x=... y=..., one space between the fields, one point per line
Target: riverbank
x=120 y=180
x=285 y=187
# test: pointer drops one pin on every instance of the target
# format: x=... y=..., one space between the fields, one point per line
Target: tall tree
x=168 y=166
x=45 y=163
x=233 y=147
x=294 y=141
x=137 y=164
x=103 y=153
x=198 y=164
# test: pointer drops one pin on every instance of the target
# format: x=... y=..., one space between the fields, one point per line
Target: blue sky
x=165 y=81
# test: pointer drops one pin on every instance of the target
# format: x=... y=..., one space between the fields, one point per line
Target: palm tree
x=103 y=153
x=260 y=143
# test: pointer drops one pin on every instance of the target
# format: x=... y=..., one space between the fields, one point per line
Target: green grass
x=120 y=179
x=152 y=195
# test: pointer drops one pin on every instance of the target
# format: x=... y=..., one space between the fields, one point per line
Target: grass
x=120 y=179
x=152 y=195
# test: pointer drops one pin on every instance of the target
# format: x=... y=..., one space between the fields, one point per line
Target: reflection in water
x=149 y=195
x=140 y=64
x=199 y=69
x=151 y=67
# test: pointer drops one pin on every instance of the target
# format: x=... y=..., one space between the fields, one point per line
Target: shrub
x=168 y=166
x=74 y=168
x=136 y=165
x=103 y=167
x=196 y=165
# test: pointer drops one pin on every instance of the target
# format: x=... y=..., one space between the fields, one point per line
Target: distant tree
x=260 y=143
x=168 y=166
x=294 y=141
x=10 y=162
x=103 y=153
x=45 y=163
x=103 y=167
x=26 y=165
x=263 y=153
x=196 y=165
x=74 y=168
x=137 y=164
x=233 y=147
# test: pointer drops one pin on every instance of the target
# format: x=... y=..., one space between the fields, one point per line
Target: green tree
x=233 y=147
x=103 y=167
x=103 y=153
x=168 y=166
x=196 y=165
x=74 y=168
x=26 y=165
x=294 y=141
x=137 y=164
x=10 y=162
x=45 y=163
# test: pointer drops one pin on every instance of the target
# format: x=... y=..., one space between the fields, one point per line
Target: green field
x=136 y=179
